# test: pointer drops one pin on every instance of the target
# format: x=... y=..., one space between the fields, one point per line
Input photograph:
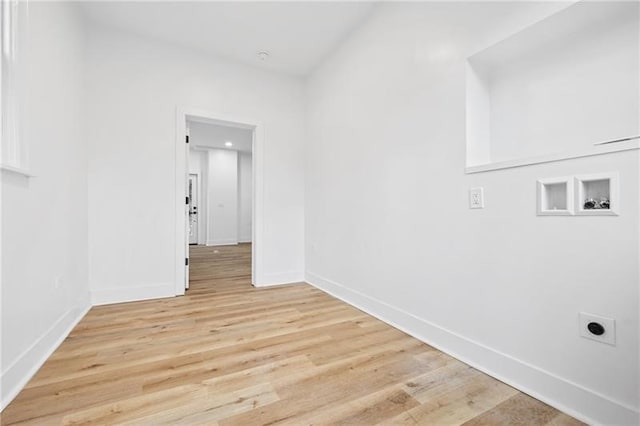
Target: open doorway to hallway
x=220 y=210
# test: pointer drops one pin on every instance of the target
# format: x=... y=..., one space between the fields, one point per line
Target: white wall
x=205 y=136
x=245 y=196
x=195 y=161
x=136 y=85
x=199 y=164
x=222 y=197
x=44 y=218
x=208 y=135
x=570 y=94
x=388 y=226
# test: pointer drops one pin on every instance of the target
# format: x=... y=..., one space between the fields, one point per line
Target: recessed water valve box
x=555 y=196
x=597 y=195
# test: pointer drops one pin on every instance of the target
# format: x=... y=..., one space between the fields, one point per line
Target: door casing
x=184 y=114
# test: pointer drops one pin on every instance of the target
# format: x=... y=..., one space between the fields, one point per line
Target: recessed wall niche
x=583 y=195
x=555 y=197
x=597 y=194
x=558 y=86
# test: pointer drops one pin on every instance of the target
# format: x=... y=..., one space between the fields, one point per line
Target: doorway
x=218 y=173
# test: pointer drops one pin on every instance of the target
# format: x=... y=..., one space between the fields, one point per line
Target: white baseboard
x=244 y=240
x=584 y=404
x=288 y=277
x=222 y=242
x=19 y=372
x=131 y=294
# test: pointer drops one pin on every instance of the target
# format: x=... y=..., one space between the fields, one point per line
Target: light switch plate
x=476 y=198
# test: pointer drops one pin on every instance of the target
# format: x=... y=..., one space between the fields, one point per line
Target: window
x=14 y=153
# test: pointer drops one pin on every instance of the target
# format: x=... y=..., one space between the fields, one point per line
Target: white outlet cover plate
x=609 y=324
x=476 y=198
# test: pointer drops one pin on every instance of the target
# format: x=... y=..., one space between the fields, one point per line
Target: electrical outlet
x=597 y=328
x=476 y=198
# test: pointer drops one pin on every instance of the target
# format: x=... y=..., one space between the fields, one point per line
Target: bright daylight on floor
x=252 y=213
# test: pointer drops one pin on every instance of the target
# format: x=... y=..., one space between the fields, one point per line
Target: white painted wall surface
x=44 y=218
x=207 y=135
x=245 y=195
x=222 y=228
x=568 y=95
x=223 y=232
x=135 y=85
x=388 y=226
x=195 y=161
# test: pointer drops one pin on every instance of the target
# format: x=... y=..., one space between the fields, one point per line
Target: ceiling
x=297 y=35
x=206 y=136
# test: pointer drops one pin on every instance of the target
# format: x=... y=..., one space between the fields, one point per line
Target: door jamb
x=182 y=115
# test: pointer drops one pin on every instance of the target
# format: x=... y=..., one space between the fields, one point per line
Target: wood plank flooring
x=230 y=354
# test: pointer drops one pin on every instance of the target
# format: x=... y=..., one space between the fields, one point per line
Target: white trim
x=27 y=364
x=520 y=162
x=180 y=231
x=131 y=294
x=17 y=170
x=222 y=242
x=288 y=277
x=584 y=404
x=258 y=148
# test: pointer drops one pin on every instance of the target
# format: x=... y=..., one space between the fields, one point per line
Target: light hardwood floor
x=230 y=354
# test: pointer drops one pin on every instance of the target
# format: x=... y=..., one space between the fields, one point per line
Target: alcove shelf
x=21 y=171
x=556 y=89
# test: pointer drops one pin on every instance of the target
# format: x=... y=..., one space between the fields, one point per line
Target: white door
x=193 y=209
x=187 y=221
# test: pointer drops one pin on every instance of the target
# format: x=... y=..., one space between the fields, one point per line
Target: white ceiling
x=205 y=136
x=298 y=35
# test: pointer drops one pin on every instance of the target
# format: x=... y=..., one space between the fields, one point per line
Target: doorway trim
x=181 y=148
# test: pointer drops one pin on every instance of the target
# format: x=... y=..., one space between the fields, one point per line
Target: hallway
x=228 y=353
x=219 y=266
